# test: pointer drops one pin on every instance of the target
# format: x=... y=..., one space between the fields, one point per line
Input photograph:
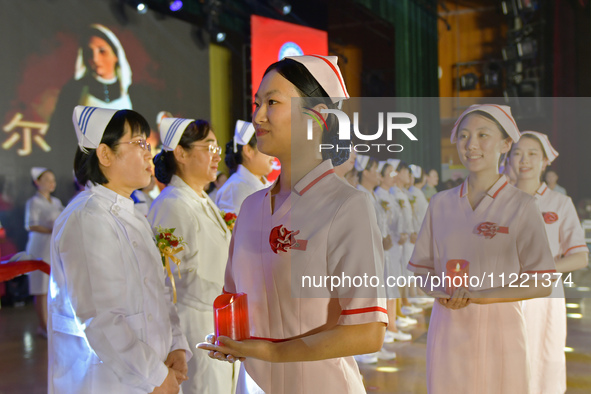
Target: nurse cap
x=243 y=132
x=381 y=165
x=171 y=130
x=551 y=153
x=415 y=170
x=361 y=162
x=326 y=72
x=502 y=114
x=90 y=124
x=394 y=163
x=36 y=172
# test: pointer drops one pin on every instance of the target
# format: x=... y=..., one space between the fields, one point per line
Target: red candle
x=455 y=268
x=231 y=316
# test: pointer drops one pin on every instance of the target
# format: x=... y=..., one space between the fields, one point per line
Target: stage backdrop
x=47 y=68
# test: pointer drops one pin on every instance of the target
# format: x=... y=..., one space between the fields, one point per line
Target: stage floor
x=23 y=361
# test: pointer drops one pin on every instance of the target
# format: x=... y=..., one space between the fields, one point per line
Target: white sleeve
x=232 y=197
x=97 y=280
x=33 y=213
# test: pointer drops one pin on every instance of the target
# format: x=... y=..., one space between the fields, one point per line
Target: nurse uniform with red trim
x=324 y=228
x=546 y=317
x=481 y=348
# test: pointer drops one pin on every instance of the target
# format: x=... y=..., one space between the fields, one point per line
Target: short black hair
x=165 y=165
x=86 y=164
x=234 y=159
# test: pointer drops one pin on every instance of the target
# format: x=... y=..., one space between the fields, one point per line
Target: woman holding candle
x=545 y=318
x=112 y=328
x=248 y=169
x=310 y=222
x=493 y=231
x=188 y=162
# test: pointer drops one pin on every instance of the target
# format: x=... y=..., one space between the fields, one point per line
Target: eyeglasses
x=142 y=144
x=213 y=149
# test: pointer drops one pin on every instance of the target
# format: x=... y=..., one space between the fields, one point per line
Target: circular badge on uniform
x=550 y=217
x=290 y=49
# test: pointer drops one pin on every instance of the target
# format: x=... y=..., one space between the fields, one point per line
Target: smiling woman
x=462 y=350
x=107 y=303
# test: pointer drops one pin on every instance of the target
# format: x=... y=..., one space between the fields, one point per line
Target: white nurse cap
x=361 y=162
x=381 y=165
x=502 y=114
x=37 y=171
x=551 y=153
x=326 y=72
x=243 y=132
x=415 y=170
x=394 y=163
x=90 y=124
x=171 y=130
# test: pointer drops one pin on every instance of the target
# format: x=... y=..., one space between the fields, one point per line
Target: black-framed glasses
x=145 y=145
x=213 y=149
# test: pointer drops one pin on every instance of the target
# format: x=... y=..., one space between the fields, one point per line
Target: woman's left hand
x=231 y=350
x=461 y=298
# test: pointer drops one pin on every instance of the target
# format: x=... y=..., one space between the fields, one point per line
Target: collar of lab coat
x=313 y=177
x=115 y=198
x=213 y=212
x=251 y=178
x=363 y=189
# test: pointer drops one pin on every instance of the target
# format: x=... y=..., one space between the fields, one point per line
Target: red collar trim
x=315 y=181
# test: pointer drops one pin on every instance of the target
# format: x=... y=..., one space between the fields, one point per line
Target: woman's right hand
x=170 y=384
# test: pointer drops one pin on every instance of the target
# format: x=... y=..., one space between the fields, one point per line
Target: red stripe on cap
x=363 y=310
x=501 y=188
x=503 y=111
x=315 y=181
x=335 y=71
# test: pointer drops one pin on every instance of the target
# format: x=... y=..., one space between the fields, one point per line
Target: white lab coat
x=40 y=212
x=203 y=263
x=111 y=323
x=240 y=185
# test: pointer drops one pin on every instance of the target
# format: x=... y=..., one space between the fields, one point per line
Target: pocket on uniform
x=136 y=323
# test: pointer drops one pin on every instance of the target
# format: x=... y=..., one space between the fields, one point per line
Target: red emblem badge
x=550 y=217
x=489 y=229
x=281 y=239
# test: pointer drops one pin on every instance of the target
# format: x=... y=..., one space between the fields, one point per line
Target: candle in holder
x=453 y=269
x=231 y=316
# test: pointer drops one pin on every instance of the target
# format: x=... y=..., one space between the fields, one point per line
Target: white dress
x=40 y=212
x=203 y=263
x=481 y=348
x=335 y=233
x=111 y=322
x=240 y=185
x=407 y=226
x=545 y=318
x=392 y=266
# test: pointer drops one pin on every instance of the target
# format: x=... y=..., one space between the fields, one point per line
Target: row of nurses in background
x=112 y=326
x=187 y=163
x=41 y=211
x=545 y=318
x=310 y=223
x=248 y=169
x=478 y=339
